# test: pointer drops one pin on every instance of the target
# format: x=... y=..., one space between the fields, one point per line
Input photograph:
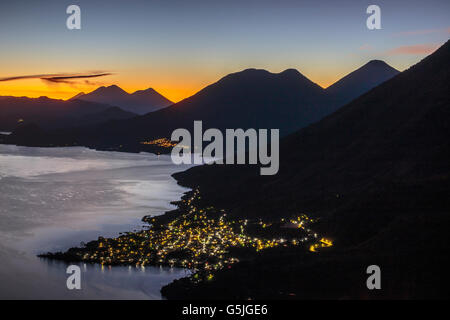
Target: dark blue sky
x=178 y=47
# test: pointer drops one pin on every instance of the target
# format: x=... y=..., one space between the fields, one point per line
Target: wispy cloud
x=414 y=49
x=68 y=78
x=421 y=32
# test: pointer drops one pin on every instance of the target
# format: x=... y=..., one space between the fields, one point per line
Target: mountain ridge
x=251 y=98
x=51 y=114
x=361 y=80
x=385 y=130
x=375 y=176
x=140 y=102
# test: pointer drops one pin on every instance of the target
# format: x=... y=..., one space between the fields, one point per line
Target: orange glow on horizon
x=26 y=88
x=326 y=82
x=175 y=92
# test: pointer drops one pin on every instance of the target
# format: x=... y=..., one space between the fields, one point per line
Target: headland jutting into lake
x=202 y=239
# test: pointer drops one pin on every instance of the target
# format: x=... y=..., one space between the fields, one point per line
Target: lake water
x=54 y=198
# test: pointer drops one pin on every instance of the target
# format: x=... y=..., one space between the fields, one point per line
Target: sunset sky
x=178 y=47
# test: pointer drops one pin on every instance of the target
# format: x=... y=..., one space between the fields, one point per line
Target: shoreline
x=202 y=269
x=79 y=194
x=201 y=240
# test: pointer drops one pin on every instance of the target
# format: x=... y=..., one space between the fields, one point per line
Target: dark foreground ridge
x=377 y=174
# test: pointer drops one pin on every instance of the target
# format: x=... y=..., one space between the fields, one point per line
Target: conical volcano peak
x=361 y=80
x=376 y=62
x=378 y=65
x=140 y=102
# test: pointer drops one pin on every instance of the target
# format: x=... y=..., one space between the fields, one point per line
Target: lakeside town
x=200 y=239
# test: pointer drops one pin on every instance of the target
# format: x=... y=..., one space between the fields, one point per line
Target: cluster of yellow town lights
x=198 y=239
x=162 y=142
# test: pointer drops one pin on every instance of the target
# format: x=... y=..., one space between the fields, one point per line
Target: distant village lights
x=239 y=145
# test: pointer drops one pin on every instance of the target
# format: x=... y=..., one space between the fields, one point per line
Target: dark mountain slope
x=360 y=81
x=109 y=114
x=385 y=153
x=248 y=99
x=52 y=113
x=377 y=173
x=77 y=96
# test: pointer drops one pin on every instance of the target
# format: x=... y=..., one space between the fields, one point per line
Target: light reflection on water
x=52 y=199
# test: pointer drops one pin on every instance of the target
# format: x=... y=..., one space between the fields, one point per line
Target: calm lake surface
x=51 y=199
